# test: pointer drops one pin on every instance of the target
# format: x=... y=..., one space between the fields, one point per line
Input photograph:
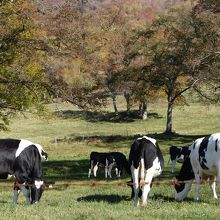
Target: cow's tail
x=142 y=170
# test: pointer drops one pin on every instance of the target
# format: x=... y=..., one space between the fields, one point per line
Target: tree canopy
x=21 y=71
x=84 y=52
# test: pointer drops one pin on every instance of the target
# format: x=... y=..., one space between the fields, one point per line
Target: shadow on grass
x=3 y=202
x=163 y=198
x=70 y=170
x=104 y=116
x=103 y=198
x=76 y=172
x=160 y=137
x=66 y=169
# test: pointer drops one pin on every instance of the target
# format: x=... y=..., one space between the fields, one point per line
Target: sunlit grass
x=71 y=137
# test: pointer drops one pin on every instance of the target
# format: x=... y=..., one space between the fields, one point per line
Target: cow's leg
x=106 y=172
x=21 y=188
x=95 y=168
x=26 y=192
x=106 y=169
x=147 y=184
x=21 y=179
x=16 y=193
x=198 y=178
x=119 y=172
x=116 y=171
x=173 y=165
x=217 y=179
x=213 y=187
x=135 y=177
x=15 y=197
x=110 y=170
x=90 y=168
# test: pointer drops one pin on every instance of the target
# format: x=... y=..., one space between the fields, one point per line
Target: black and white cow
x=146 y=162
x=100 y=159
x=22 y=159
x=120 y=163
x=203 y=162
x=177 y=154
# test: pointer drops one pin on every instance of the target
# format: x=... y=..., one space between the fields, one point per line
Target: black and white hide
x=203 y=162
x=146 y=162
x=177 y=154
x=97 y=160
x=120 y=163
x=22 y=160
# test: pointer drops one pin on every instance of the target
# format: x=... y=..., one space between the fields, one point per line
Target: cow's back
x=144 y=148
x=205 y=153
x=8 y=145
x=8 y=148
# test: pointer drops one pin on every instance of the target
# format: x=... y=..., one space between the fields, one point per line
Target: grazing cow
x=146 y=162
x=120 y=163
x=22 y=159
x=203 y=162
x=100 y=159
x=177 y=154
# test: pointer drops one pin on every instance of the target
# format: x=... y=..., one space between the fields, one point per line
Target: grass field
x=70 y=135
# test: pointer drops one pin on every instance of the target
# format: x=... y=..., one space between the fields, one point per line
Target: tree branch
x=184 y=90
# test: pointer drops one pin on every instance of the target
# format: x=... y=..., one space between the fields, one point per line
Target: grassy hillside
x=70 y=135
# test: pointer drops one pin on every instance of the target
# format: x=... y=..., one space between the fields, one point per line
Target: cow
x=22 y=160
x=100 y=159
x=146 y=162
x=203 y=162
x=177 y=154
x=120 y=163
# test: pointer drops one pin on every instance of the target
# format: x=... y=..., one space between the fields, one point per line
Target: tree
x=21 y=72
x=175 y=53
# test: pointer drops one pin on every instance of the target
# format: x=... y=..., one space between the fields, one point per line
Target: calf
x=203 y=162
x=100 y=159
x=22 y=159
x=177 y=154
x=146 y=162
x=120 y=163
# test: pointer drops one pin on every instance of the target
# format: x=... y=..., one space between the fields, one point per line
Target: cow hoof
x=144 y=205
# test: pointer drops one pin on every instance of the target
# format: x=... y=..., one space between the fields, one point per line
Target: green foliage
x=22 y=75
x=179 y=49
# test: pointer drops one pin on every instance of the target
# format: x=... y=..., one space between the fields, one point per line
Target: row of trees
x=85 y=55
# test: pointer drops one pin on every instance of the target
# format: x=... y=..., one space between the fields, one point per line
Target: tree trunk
x=128 y=104
x=144 y=111
x=114 y=104
x=140 y=109
x=169 y=114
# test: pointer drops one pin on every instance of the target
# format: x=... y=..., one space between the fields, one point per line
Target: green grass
x=71 y=135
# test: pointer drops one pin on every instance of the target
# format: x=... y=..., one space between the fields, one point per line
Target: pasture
x=70 y=135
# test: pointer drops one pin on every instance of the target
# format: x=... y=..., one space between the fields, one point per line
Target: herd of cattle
x=201 y=160
x=22 y=160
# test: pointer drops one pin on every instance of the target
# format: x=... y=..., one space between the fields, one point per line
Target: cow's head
x=44 y=155
x=185 y=178
x=36 y=191
x=182 y=190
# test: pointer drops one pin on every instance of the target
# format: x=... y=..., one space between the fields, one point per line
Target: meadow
x=69 y=135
